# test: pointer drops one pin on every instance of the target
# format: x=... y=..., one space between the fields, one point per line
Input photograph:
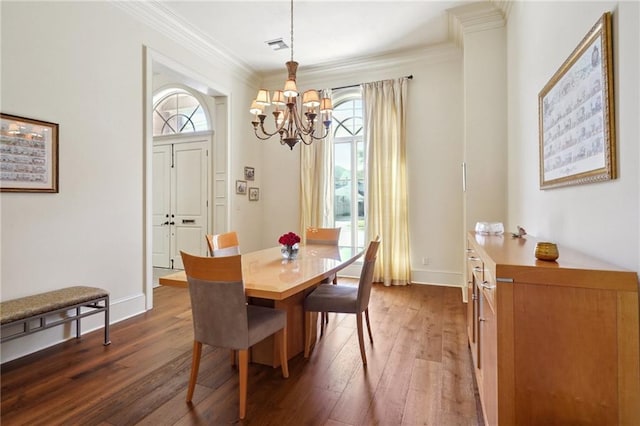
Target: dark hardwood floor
x=419 y=372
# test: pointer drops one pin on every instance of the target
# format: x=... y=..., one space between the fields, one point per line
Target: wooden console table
x=552 y=342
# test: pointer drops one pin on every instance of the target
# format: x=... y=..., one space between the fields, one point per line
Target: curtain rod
x=410 y=77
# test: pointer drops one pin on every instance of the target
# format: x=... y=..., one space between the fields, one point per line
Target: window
x=177 y=111
x=349 y=168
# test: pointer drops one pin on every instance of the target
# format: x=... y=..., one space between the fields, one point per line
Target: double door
x=180 y=200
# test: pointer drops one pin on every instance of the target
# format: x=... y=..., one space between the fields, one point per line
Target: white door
x=161 y=206
x=180 y=201
x=189 y=200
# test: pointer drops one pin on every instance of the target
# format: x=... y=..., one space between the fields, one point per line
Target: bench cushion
x=25 y=307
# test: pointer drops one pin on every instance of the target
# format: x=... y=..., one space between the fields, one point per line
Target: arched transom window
x=177 y=111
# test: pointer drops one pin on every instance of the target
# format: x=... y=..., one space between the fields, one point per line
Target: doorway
x=161 y=71
x=181 y=212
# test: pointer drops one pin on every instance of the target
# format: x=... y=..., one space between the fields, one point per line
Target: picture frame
x=576 y=115
x=241 y=187
x=249 y=173
x=28 y=155
x=254 y=194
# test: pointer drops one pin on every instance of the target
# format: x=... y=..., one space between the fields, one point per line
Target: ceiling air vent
x=277 y=44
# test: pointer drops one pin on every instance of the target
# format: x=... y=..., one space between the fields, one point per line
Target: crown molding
x=474 y=17
x=160 y=18
x=504 y=6
x=438 y=53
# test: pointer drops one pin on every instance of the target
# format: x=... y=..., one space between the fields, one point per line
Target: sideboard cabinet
x=552 y=342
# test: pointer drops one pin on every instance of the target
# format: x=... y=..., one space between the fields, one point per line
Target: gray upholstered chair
x=223 y=244
x=344 y=299
x=222 y=318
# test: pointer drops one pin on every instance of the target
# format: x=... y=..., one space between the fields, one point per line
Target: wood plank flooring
x=419 y=372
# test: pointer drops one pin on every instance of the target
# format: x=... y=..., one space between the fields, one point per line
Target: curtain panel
x=316 y=181
x=386 y=209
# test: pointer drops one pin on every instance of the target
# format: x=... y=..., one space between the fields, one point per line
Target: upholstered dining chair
x=344 y=299
x=222 y=317
x=223 y=244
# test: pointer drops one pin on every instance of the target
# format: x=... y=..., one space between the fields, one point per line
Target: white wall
x=600 y=219
x=80 y=64
x=434 y=152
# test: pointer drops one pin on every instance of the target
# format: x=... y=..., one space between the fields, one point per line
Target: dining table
x=273 y=281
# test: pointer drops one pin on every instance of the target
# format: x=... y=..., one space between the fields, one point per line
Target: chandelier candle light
x=290 y=123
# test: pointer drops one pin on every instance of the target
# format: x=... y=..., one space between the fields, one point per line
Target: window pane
x=361 y=191
x=349 y=178
x=178 y=112
x=342 y=196
x=200 y=120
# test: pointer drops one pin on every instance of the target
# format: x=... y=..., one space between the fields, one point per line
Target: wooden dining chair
x=223 y=244
x=329 y=236
x=344 y=299
x=222 y=318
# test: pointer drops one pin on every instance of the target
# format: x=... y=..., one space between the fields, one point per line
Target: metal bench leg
x=106 y=323
x=78 y=322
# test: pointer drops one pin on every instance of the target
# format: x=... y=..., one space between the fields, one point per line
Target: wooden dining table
x=270 y=280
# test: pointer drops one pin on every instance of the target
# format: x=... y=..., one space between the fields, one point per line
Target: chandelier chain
x=292 y=30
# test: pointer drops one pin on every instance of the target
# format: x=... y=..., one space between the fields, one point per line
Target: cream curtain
x=387 y=211
x=316 y=181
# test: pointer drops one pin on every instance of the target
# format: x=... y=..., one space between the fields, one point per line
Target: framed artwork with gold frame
x=28 y=155
x=576 y=114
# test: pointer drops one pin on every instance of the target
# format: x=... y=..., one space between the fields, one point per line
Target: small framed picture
x=29 y=151
x=241 y=187
x=254 y=194
x=249 y=173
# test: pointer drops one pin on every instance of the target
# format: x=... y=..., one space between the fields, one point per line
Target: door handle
x=165 y=223
x=172 y=223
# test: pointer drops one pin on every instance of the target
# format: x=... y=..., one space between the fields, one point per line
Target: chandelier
x=291 y=123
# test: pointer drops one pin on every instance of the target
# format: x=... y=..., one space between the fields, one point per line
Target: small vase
x=546 y=251
x=289 y=252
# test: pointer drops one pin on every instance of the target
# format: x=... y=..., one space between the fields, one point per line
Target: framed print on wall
x=28 y=155
x=254 y=194
x=249 y=173
x=576 y=115
x=241 y=187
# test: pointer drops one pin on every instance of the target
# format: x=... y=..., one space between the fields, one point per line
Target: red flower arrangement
x=289 y=239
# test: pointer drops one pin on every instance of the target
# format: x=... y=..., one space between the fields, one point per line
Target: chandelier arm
x=299 y=123
x=261 y=137
x=317 y=138
x=264 y=132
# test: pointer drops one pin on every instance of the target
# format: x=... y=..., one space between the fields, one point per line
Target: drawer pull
x=485 y=284
x=477 y=269
x=472 y=258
